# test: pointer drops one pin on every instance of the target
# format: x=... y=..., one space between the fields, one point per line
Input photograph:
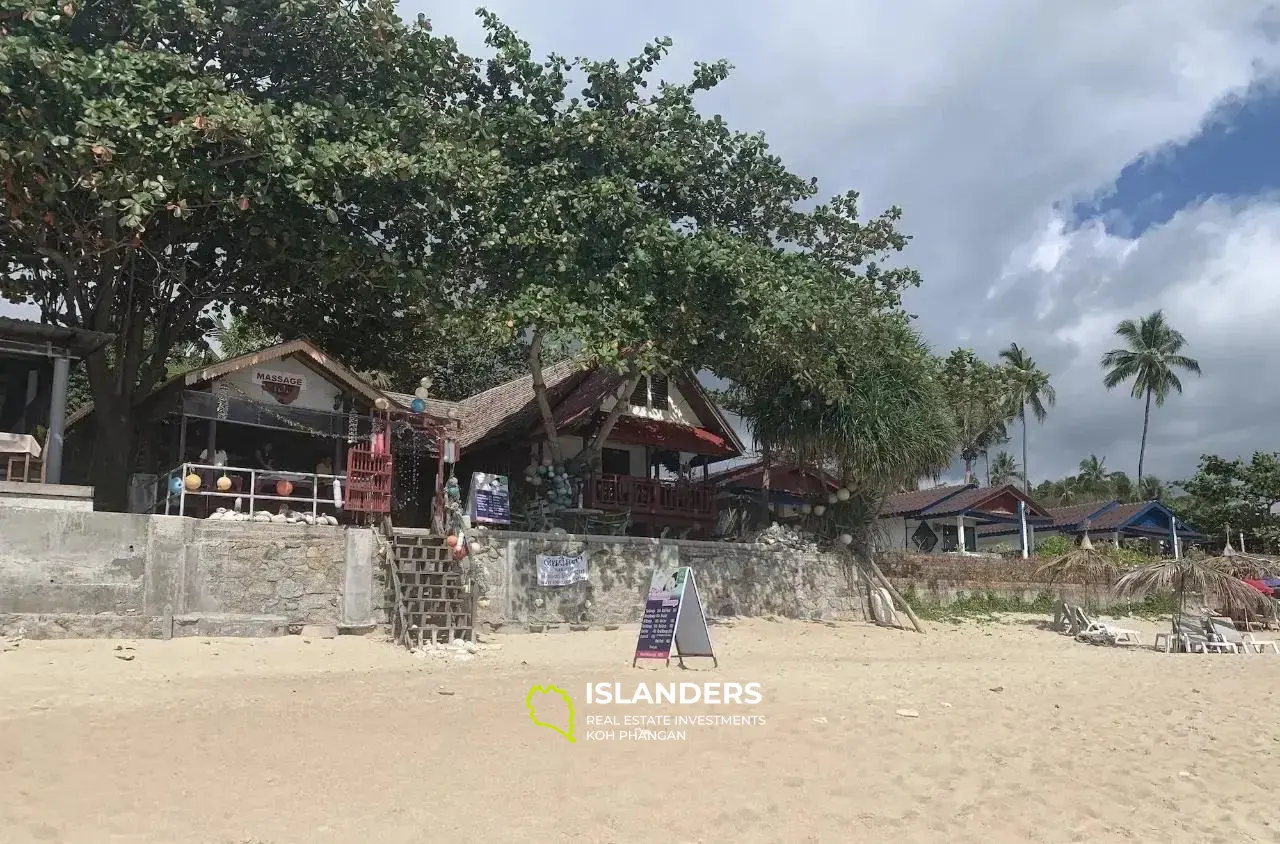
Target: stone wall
x=732 y=579
x=74 y=573
x=942 y=578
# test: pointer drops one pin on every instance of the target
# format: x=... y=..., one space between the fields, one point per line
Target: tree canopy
x=1228 y=497
x=162 y=160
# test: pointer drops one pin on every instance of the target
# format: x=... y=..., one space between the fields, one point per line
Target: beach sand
x=1022 y=735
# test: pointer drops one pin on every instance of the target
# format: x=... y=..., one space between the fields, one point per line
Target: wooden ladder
x=433 y=603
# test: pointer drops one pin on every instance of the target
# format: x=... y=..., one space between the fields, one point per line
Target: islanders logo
x=551 y=707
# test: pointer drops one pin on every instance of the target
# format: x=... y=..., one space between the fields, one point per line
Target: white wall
x=894 y=533
x=318 y=392
x=572 y=446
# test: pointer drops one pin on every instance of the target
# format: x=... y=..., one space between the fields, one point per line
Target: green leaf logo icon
x=542 y=696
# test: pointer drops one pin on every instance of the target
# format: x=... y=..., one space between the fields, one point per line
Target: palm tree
x=1150 y=489
x=1004 y=469
x=1150 y=361
x=1031 y=389
x=1093 y=472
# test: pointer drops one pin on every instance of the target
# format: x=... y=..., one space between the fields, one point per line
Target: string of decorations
x=352 y=433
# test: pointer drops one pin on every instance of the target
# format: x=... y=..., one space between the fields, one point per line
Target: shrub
x=1054 y=546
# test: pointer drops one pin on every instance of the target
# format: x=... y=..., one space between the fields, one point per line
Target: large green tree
x=1151 y=359
x=978 y=394
x=1030 y=391
x=1228 y=497
x=162 y=160
x=640 y=235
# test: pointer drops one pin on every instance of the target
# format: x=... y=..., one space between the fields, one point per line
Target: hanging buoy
x=452 y=541
x=224 y=484
x=284 y=488
x=192 y=482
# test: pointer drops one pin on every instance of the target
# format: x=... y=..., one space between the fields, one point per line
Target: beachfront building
x=272 y=430
x=651 y=476
x=947 y=519
x=1149 y=522
x=35 y=367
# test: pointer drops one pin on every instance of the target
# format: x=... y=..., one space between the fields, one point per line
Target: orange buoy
x=284 y=488
x=452 y=541
x=192 y=482
x=224 y=483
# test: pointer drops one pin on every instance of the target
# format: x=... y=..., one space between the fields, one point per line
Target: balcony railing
x=641 y=496
x=255 y=487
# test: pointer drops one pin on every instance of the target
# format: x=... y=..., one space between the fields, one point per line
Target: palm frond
x=1083 y=564
x=1208 y=577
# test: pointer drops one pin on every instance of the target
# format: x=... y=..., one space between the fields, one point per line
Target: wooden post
x=879 y=577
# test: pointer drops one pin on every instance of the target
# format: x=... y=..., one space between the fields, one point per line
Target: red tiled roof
x=978 y=500
x=1076 y=513
x=584 y=401
x=783 y=477
x=913 y=502
x=670 y=435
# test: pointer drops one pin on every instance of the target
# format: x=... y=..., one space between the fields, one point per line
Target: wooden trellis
x=433 y=603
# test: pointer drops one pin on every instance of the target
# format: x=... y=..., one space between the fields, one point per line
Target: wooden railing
x=646 y=496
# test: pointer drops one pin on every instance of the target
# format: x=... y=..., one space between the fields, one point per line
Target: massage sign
x=284 y=387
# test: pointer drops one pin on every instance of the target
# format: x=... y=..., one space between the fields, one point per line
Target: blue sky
x=1233 y=157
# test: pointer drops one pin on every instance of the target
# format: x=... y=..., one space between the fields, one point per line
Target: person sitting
x=264 y=457
x=219 y=457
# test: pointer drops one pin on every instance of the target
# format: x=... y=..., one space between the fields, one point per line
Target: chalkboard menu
x=489 y=500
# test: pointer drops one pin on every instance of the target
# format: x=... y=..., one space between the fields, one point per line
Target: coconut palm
x=1030 y=389
x=1093 y=471
x=1150 y=360
x=1004 y=470
x=1211 y=578
x=1151 y=489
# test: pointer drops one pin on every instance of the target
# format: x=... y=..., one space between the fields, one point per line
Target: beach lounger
x=1191 y=632
x=1225 y=630
x=1091 y=630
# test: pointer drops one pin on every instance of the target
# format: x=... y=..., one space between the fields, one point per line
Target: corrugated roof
x=902 y=503
x=76 y=342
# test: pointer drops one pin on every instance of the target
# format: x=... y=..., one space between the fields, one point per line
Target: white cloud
x=982 y=119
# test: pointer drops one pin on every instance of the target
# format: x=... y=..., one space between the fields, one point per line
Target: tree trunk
x=593 y=449
x=1026 y=470
x=112 y=454
x=1142 y=448
x=986 y=458
x=968 y=469
x=544 y=403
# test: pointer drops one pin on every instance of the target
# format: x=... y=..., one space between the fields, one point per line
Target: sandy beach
x=1020 y=735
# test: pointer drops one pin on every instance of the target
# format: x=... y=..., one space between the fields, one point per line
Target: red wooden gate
x=369 y=476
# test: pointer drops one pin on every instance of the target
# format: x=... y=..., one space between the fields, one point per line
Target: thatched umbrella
x=1210 y=577
x=1083 y=564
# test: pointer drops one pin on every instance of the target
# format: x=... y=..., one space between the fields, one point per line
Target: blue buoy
x=418 y=406
x=175 y=484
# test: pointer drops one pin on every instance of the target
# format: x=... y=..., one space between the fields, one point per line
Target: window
x=652 y=392
x=615 y=461
x=658 y=395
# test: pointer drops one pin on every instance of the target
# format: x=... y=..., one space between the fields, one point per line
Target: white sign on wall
x=561 y=570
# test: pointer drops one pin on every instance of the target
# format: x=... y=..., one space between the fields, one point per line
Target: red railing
x=617 y=493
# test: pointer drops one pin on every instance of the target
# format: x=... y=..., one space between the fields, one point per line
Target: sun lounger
x=1091 y=630
x=1225 y=630
x=1191 y=632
